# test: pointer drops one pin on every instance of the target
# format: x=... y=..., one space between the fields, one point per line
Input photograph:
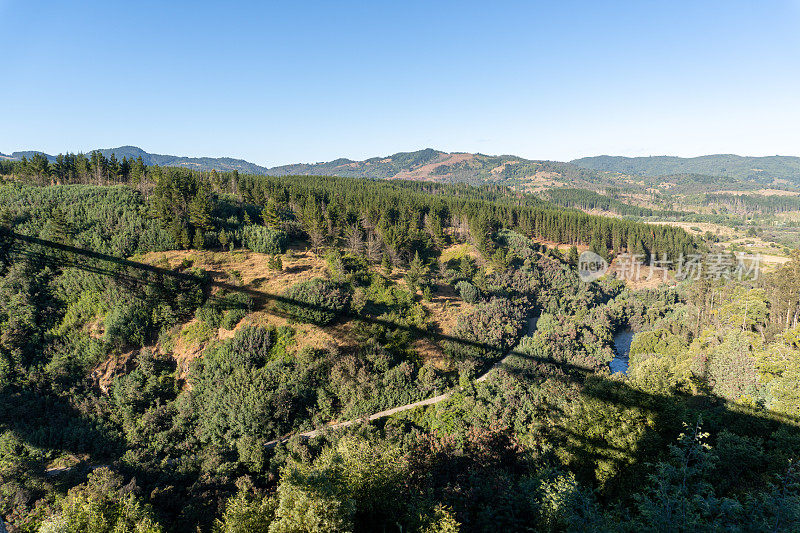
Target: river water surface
x=622 y=346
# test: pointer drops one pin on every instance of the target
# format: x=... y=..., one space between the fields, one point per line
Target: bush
x=264 y=240
x=323 y=300
x=467 y=291
x=226 y=310
x=127 y=323
x=197 y=332
x=246 y=391
x=347 y=268
x=210 y=315
x=232 y=317
x=497 y=324
x=103 y=503
x=275 y=262
x=253 y=343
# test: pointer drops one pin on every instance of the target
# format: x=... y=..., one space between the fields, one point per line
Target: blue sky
x=285 y=82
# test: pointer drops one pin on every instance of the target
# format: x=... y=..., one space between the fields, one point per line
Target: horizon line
x=271 y=166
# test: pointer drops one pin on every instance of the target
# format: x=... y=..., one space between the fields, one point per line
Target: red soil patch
x=425 y=172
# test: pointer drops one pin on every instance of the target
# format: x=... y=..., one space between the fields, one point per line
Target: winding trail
x=407 y=407
x=258 y=296
x=368 y=418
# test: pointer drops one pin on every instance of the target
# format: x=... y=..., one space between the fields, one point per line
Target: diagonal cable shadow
x=538 y=367
x=588 y=449
x=260 y=298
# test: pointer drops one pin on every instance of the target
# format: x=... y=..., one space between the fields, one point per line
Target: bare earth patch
x=716 y=229
x=763 y=192
x=425 y=172
x=116 y=364
x=250 y=269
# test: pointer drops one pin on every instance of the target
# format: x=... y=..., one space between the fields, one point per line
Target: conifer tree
x=198 y=242
x=200 y=208
x=270 y=215
x=466 y=267
x=417 y=273
x=572 y=256
x=314 y=224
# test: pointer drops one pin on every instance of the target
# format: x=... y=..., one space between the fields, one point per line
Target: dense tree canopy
x=153 y=395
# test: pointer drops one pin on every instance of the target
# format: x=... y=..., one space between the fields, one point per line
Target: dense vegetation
x=763 y=169
x=105 y=425
x=588 y=200
x=476 y=169
x=133 y=153
x=752 y=203
x=405 y=217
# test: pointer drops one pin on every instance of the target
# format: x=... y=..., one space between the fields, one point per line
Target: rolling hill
x=199 y=163
x=699 y=174
x=427 y=165
x=455 y=167
x=762 y=169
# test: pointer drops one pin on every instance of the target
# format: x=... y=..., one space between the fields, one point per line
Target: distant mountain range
x=428 y=164
x=525 y=174
x=199 y=163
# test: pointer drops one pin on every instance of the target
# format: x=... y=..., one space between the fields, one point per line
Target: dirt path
x=375 y=416
x=394 y=410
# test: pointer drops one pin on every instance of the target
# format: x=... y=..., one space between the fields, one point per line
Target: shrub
x=127 y=323
x=497 y=324
x=347 y=268
x=264 y=240
x=319 y=301
x=253 y=343
x=467 y=291
x=658 y=341
x=275 y=262
x=226 y=310
x=246 y=391
x=210 y=315
x=197 y=332
x=103 y=504
x=232 y=317
x=427 y=295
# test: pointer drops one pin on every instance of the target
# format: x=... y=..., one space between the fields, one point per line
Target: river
x=622 y=346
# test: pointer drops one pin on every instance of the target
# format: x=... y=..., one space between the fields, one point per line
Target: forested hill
x=455 y=167
x=427 y=165
x=163 y=327
x=710 y=173
x=133 y=152
x=728 y=165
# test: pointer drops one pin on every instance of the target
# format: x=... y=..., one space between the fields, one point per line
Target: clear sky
x=291 y=81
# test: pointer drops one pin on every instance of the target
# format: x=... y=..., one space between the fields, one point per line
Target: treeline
x=586 y=199
x=733 y=167
x=111 y=220
x=409 y=217
x=483 y=169
x=751 y=203
x=94 y=168
x=404 y=216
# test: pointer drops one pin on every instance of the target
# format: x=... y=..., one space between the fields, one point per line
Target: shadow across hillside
x=613 y=462
x=533 y=368
x=48 y=421
x=618 y=429
x=120 y=269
